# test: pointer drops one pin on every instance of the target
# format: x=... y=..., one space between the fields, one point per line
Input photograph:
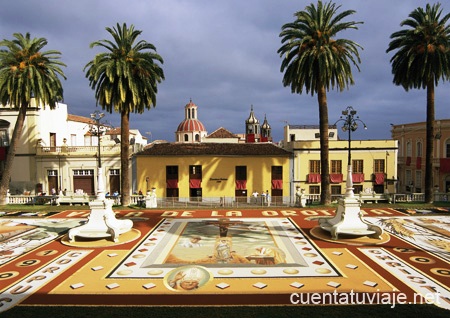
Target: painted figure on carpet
x=223 y=249
x=193 y=242
x=265 y=255
x=181 y=281
x=234 y=242
x=187 y=278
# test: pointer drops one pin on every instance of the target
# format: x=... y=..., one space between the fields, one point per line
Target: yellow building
x=411 y=161
x=203 y=171
x=374 y=162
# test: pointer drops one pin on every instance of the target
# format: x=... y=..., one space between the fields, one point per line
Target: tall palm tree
x=26 y=74
x=422 y=58
x=315 y=60
x=125 y=80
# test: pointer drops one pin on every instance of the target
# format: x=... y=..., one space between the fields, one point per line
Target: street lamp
x=350 y=124
x=96 y=128
x=348 y=218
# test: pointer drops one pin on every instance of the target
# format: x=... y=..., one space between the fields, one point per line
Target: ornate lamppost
x=102 y=222
x=98 y=129
x=350 y=124
x=349 y=219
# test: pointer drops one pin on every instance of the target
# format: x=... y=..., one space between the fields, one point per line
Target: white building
x=58 y=151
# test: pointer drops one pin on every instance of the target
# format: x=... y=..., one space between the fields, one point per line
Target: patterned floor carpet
x=225 y=257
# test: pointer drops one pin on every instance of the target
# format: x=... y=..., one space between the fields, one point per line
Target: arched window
x=186 y=137
x=408 y=149
x=197 y=137
x=419 y=150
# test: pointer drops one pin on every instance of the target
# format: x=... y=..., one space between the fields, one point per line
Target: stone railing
x=213 y=202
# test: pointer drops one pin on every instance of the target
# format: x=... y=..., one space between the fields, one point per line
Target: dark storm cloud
x=222 y=54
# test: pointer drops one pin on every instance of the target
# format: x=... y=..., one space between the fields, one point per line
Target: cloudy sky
x=223 y=56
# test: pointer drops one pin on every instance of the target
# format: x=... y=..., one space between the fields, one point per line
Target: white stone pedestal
x=102 y=223
x=348 y=218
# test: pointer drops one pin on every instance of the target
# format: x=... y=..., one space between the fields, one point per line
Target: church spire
x=252 y=127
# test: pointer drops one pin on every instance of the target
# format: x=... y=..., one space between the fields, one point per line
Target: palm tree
x=125 y=80
x=26 y=74
x=317 y=61
x=421 y=59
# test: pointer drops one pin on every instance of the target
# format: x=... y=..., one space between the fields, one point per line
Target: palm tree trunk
x=17 y=133
x=125 y=157
x=430 y=143
x=325 y=196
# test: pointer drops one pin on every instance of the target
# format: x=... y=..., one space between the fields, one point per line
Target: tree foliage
x=421 y=60
x=125 y=80
x=314 y=59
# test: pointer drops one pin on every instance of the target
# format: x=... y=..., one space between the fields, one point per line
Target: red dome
x=191 y=125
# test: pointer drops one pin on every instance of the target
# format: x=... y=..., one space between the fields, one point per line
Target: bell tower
x=252 y=128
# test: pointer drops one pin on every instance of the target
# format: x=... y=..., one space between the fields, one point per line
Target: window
x=195 y=172
x=408 y=180
x=419 y=149
x=292 y=137
x=408 y=149
x=314 y=166
x=357 y=166
x=114 y=172
x=83 y=172
x=418 y=183
x=52 y=173
x=197 y=137
x=186 y=137
x=378 y=166
x=447 y=149
x=241 y=172
x=87 y=140
x=357 y=188
x=4 y=139
x=277 y=173
x=73 y=140
x=335 y=189
x=336 y=166
x=172 y=172
x=314 y=189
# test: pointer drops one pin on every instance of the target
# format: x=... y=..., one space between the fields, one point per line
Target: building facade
x=63 y=155
x=374 y=163
x=411 y=159
x=214 y=170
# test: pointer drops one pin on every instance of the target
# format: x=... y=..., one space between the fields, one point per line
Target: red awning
x=172 y=184
x=379 y=178
x=277 y=184
x=314 y=178
x=418 y=162
x=195 y=183
x=444 y=165
x=336 y=177
x=241 y=184
x=358 y=177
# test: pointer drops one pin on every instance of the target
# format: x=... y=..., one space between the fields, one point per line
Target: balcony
x=112 y=149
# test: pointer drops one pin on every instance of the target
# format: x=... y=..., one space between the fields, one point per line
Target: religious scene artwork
x=230 y=247
x=227 y=242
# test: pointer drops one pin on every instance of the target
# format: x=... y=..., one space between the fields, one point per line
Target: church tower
x=266 y=131
x=252 y=128
x=190 y=130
